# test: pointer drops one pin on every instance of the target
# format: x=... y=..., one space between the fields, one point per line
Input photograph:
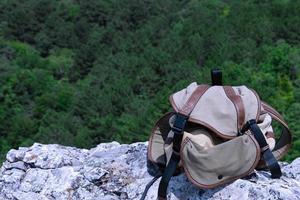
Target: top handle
x=216 y=77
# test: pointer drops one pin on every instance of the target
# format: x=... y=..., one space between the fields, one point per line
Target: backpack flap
x=208 y=164
x=222 y=109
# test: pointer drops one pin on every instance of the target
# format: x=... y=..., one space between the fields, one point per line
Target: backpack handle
x=216 y=77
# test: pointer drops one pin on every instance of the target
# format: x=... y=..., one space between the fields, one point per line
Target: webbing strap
x=267 y=155
x=178 y=128
x=149 y=185
x=168 y=173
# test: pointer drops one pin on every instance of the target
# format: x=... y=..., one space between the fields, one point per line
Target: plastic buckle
x=247 y=125
x=179 y=123
x=265 y=148
x=240 y=133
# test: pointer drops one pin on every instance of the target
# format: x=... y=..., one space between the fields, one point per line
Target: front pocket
x=220 y=164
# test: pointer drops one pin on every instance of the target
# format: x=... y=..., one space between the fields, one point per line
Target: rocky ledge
x=114 y=171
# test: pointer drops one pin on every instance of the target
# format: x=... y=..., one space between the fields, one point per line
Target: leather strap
x=270 y=109
x=283 y=144
x=193 y=100
x=238 y=104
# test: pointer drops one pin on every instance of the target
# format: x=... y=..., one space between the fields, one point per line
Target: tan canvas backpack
x=216 y=134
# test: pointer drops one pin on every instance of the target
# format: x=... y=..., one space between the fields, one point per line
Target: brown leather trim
x=211 y=128
x=238 y=104
x=193 y=100
x=187 y=173
x=270 y=109
x=259 y=104
x=188 y=107
x=279 y=120
x=149 y=149
x=284 y=149
x=279 y=153
x=263 y=112
x=285 y=139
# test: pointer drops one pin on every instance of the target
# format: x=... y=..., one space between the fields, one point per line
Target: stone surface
x=113 y=171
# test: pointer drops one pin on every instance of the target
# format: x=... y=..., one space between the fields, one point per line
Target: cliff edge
x=119 y=171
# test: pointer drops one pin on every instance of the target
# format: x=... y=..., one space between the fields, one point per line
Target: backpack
x=216 y=134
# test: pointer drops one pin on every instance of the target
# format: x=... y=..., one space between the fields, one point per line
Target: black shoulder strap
x=149 y=185
x=267 y=155
x=178 y=128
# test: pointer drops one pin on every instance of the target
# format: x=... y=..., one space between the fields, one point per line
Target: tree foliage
x=81 y=72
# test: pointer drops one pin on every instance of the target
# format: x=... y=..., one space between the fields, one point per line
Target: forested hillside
x=81 y=72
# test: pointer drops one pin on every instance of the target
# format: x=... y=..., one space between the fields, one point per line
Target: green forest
x=82 y=72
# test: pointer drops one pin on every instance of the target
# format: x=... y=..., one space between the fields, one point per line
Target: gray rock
x=114 y=171
x=15 y=155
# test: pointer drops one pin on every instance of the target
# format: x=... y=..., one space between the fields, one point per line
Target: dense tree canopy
x=81 y=72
